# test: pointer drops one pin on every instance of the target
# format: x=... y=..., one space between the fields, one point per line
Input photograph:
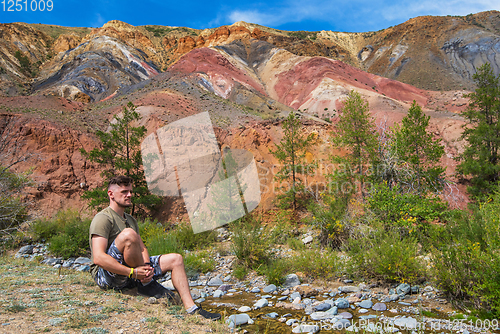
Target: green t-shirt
x=108 y=224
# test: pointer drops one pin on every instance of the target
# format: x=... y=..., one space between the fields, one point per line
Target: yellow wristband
x=131 y=273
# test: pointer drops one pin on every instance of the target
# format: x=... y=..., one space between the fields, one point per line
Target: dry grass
x=37 y=298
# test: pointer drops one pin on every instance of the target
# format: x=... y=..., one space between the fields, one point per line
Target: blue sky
x=310 y=15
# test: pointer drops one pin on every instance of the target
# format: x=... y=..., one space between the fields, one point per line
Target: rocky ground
x=54 y=295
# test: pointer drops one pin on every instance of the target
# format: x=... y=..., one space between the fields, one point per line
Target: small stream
x=403 y=317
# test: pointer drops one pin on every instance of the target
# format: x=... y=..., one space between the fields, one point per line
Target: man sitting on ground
x=120 y=260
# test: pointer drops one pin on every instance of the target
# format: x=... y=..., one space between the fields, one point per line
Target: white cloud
x=365 y=14
x=98 y=21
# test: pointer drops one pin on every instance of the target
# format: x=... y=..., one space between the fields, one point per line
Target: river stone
x=321 y=316
x=322 y=307
x=404 y=303
x=406 y=323
x=349 y=289
x=342 y=303
x=362 y=310
x=341 y=324
x=345 y=315
x=261 y=303
x=333 y=310
x=26 y=250
x=269 y=289
x=68 y=263
x=244 y=309
x=391 y=298
x=379 y=307
x=280 y=299
x=216 y=281
x=56 y=321
x=403 y=288
x=305 y=329
x=238 y=319
x=415 y=289
x=255 y=290
x=368 y=317
x=291 y=281
x=225 y=287
x=218 y=293
x=83 y=260
x=295 y=295
x=290 y=322
x=272 y=315
x=366 y=304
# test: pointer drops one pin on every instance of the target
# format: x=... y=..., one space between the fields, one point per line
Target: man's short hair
x=121 y=180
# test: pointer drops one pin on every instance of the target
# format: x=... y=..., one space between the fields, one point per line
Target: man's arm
x=105 y=261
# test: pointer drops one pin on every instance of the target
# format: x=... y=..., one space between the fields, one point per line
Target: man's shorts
x=108 y=280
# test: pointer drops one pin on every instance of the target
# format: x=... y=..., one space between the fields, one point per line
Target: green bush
x=12 y=208
x=275 y=271
x=199 y=262
x=384 y=254
x=164 y=243
x=67 y=234
x=317 y=264
x=467 y=259
x=330 y=218
x=251 y=242
x=411 y=211
x=191 y=241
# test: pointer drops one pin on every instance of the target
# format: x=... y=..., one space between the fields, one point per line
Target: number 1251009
x=27 y=5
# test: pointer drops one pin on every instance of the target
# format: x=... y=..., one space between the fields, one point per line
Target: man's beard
x=123 y=204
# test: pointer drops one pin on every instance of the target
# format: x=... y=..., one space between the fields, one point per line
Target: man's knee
x=171 y=261
x=127 y=237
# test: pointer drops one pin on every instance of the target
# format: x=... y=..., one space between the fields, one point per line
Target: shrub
x=67 y=234
x=384 y=254
x=164 y=243
x=199 y=262
x=330 y=218
x=189 y=240
x=251 y=242
x=275 y=271
x=466 y=258
x=402 y=209
x=315 y=264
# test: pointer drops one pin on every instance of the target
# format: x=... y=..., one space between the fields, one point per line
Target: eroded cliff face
x=246 y=77
x=57 y=168
x=432 y=53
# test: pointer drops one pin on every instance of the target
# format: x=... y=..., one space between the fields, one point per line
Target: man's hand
x=144 y=273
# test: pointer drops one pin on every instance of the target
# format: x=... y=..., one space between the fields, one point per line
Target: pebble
x=349 y=289
x=366 y=304
x=291 y=281
x=244 y=309
x=345 y=315
x=379 y=307
x=305 y=329
x=255 y=290
x=261 y=303
x=218 y=293
x=238 y=319
x=342 y=303
x=216 y=281
x=269 y=289
x=322 y=307
x=341 y=324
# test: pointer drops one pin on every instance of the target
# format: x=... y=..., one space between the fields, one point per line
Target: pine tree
x=120 y=152
x=291 y=152
x=420 y=150
x=480 y=158
x=355 y=132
